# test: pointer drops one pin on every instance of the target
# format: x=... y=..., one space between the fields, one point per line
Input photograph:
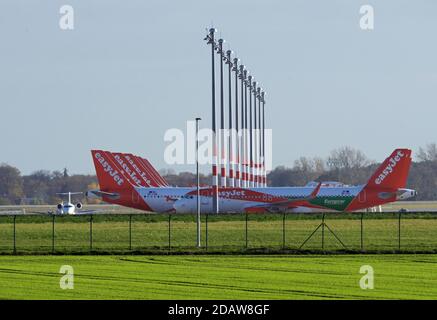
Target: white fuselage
x=66 y=208
x=184 y=200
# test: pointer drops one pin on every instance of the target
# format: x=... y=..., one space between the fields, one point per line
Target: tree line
x=40 y=187
x=345 y=164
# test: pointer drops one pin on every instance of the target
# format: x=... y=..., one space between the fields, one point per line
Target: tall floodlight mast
x=231 y=131
x=215 y=202
x=239 y=144
x=264 y=140
x=222 y=139
x=249 y=85
x=255 y=138
x=237 y=132
x=246 y=133
x=243 y=74
x=259 y=140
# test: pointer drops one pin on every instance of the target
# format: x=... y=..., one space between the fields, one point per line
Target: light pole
x=258 y=133
x=222 y=119
x=246 y=145
x=243 y=131
x=249 y=86
x=264 y=141
x=214 y=187
x=231 y=132
x=247 y=152
x=255 y=137
x=198 y=182
x=237 y=139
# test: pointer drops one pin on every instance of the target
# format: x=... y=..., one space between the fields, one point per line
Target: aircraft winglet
x=315 y=191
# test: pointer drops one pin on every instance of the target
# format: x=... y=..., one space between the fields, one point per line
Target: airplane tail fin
x=119 y=170
x=116 y=184
x=108 y=173
x=156 y=176
x=140 y=170
x=393 y=172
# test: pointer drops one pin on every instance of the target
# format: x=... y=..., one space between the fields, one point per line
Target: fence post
x=169 y=231
x=130 y=232
x=283 y=231
x=91 y=232
x=246 y=231
x=399 y=231
x=323 y=232
x=206 y=231
x=361 y=231
x=53 y=233
x=15 y=236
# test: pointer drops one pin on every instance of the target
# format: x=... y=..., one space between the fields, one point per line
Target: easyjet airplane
x=131 y=181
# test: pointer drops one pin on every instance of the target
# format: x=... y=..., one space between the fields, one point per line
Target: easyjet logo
x=392 y=162
x=127 y=169
x=233 y=193
x=109 y=169
x=138 y=170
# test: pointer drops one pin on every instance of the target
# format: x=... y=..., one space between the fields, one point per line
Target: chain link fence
x=226 y=233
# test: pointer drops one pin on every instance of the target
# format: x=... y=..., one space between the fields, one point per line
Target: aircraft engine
x=59 y=206
x=79 y=205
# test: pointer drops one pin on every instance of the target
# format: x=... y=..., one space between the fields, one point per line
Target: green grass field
x=150 y=233
x=219 y=277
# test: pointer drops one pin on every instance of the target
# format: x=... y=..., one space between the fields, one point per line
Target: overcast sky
x=130 y=70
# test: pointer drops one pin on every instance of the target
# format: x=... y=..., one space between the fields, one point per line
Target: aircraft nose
x=403 y=194
x=412 y=193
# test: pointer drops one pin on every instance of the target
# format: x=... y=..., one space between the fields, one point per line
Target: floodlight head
x=235 y=65
x=254 y=87
x=242 y=72
x=220 y=47
x=197 y=119
x=228 y=57
x=212 y=30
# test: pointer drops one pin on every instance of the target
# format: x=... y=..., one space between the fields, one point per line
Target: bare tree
x=429 y=153
x=309 y=168
x=347 y=158
x=304 y=164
